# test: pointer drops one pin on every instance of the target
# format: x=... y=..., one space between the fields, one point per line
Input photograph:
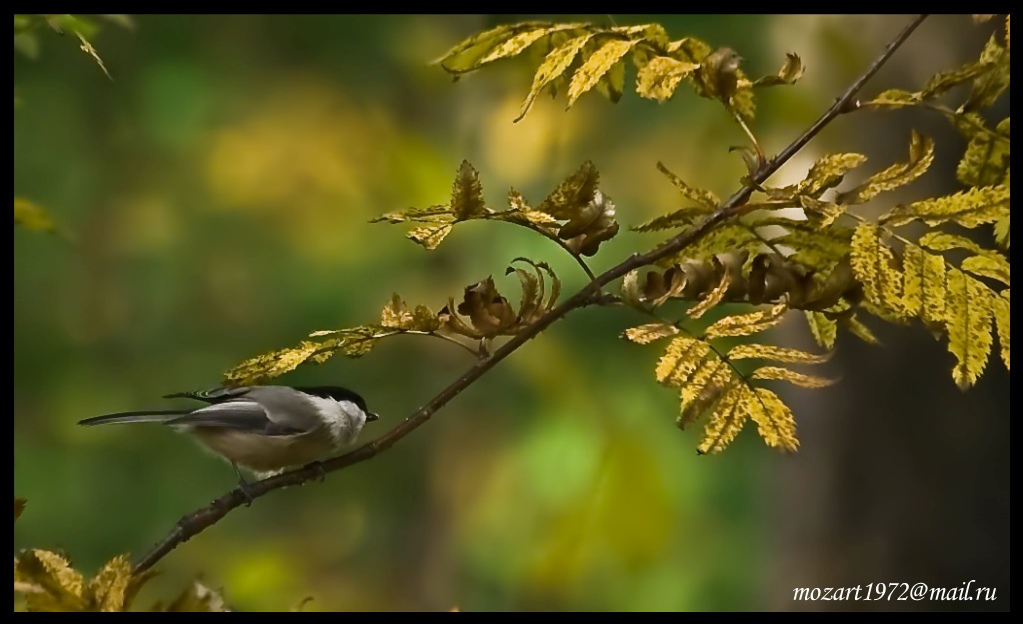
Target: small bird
x=265 y=429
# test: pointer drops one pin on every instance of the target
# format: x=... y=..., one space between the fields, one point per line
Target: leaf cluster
x=709 y=382
x=794 y=248
x=27 y=26
x=488 y=315
x=579 y=57
x=48 y=582
x=576 y=214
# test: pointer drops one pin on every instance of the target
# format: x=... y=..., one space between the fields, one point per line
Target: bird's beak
x=371 y=416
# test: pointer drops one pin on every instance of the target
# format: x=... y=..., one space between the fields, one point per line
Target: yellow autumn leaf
x=986 y=266
x=990 y=85
x=775 y=422
x=554 y=65
x=823 y=329
x=52 y=584
x=573 y=193
x=110 y=587
x=747 y=324
x=467 y=193
x=780 y=373
x=711 y=298
x=1002 y=318
x=650 y=332
x=943 y=81
x=32 y=216
x=895 y=98
x=779 y=354
x=969 y=327
x=969 y=208
x=658 y=79
x=789 y=73
x=596 y=65
x=632 y=293
x=683 y=356
x=701 y=196
x=430 y=237
x=921 y=155
x=725 y=422
x=874 y=265
x=924 y=288
x=828 y=172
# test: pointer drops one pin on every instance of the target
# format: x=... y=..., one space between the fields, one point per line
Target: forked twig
x=194 y=523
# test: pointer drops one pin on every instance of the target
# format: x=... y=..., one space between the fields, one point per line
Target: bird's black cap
x=339 y=394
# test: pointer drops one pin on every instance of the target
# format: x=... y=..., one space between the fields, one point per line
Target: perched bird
x=263 y=428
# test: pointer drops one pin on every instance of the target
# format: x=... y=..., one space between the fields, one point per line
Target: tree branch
x=201 y=519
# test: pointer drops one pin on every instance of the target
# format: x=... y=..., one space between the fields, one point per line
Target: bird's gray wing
x=286 y=406
x=215 y=395
x=238 y=414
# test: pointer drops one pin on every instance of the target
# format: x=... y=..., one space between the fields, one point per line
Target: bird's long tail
x=134 y=417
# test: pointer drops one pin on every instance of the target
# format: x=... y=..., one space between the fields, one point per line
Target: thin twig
x=201 y=519
x=554 y=237
x=761 y=159
x=453 y=341
x=952 y=114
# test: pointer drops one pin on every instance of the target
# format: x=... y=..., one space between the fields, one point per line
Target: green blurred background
x=218 y=191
